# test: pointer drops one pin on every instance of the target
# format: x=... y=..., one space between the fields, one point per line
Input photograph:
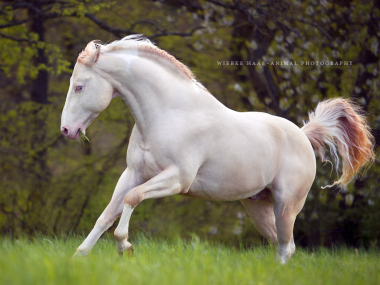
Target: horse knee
x=134 y=197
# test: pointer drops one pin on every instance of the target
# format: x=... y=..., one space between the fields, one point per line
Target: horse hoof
x=282 y=259
x=127 y=249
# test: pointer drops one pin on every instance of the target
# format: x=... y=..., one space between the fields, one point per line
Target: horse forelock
x=83 y=54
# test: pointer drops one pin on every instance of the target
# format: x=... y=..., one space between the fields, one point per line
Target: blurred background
x=53 y=186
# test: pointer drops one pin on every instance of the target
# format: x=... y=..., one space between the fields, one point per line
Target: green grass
x=83 y=137
x=49 y=261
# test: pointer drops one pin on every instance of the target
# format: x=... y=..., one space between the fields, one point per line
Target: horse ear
x=97 y=53
x=90 y=55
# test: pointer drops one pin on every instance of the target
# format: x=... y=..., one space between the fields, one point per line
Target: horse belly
x=210 y=190
x=229 y=184
x=238 y=166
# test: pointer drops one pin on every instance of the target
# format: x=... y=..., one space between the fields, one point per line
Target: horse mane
x=144 y=46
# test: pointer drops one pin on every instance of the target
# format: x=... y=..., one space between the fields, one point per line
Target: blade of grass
x=83 y=137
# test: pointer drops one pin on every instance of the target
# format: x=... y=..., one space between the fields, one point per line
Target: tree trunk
x=39 y=86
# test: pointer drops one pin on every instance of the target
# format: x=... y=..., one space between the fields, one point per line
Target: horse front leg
x=166 y=183
x=114 y=209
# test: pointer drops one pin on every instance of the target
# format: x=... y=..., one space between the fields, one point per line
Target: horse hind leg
x=286 y=208
x=262 y=215
x=292 y=246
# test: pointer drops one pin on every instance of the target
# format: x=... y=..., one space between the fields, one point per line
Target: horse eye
x=78 y=88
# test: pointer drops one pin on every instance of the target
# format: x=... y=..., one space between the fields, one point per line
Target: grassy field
x=49 y=261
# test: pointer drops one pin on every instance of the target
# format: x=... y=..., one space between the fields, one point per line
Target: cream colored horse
x=186 y=142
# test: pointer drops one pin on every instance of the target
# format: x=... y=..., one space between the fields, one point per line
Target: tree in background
x=50 y=185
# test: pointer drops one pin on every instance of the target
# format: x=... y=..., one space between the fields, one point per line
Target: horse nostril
x=65 y=131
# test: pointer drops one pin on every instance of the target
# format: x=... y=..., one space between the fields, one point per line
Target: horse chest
x=151 y=166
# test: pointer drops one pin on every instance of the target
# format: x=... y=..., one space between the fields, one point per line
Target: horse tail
x=339 y=123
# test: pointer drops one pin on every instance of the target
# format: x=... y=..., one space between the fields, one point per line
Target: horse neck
x=152 y=91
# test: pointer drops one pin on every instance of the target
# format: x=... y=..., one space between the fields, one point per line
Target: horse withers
x=186 y=142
